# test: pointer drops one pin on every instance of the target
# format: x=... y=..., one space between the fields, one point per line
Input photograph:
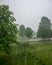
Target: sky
x=29 y=12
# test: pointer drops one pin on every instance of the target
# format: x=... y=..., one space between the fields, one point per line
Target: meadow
x=37 y=53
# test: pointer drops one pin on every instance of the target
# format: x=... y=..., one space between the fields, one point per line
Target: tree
x=29 y=32
x=22 y=31
x=8 y=28
x=44 y=30
x=51 y=30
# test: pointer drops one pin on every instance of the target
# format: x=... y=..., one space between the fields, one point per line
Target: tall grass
x=40 y=53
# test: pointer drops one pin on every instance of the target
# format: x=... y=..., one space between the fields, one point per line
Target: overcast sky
x=29 y=12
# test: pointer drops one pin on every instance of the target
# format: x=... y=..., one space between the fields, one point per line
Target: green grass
x=43 y=51
x=39 y=53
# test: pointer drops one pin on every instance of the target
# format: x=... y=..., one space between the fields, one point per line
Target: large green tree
x=44 y=30
x=8 y=28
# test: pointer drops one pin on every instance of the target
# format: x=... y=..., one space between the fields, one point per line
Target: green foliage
x=44 y=30
x=8 y=28
x=22 y=31
x=51 y=32
x=29 y=32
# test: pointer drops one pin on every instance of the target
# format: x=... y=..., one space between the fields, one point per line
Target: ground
x=37 y=53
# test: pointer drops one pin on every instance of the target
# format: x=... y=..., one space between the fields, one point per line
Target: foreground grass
x=39 y=53
x=43 y=51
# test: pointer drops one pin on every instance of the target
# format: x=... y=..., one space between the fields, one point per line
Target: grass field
x=37 y=53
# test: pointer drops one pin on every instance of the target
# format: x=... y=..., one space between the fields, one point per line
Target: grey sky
x=29 y=12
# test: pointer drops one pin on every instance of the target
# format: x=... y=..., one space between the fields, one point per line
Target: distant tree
x=51 y=33
x=22 y=31
x=51 y=30
x=44 y=30
x=34 y=35
x=29 y=32
x=8 y=28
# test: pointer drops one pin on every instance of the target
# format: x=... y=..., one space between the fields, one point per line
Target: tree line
x=44 y=30
x=25 y=32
